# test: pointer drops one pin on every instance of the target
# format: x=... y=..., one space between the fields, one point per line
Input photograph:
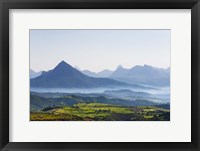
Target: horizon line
x=120 y=65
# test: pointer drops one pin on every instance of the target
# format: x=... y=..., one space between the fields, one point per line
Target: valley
x=94 y=107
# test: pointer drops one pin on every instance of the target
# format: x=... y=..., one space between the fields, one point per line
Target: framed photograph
x=99 y=75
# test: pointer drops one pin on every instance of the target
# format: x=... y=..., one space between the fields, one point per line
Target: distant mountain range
x=65 y=76
x=146 y=74
x=102 y=74
x=34 y=74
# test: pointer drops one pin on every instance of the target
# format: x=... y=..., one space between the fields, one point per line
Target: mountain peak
x=119 y=67
x=62 y=63
x=145 y=66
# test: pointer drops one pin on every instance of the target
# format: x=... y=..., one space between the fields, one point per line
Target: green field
x=101 y=112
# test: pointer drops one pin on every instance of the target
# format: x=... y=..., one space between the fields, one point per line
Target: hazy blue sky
x=96 y=50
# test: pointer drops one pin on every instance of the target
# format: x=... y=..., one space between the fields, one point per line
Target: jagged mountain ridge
x=146 y=74
x=65 y=76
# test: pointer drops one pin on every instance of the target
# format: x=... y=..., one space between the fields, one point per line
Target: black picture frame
x=5 y=5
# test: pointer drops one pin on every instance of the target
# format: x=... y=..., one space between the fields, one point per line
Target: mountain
x=65 y=76
x=102 y=74
x=34 y=74
x=89 y=73
x=119 y=72
x=146 y=74
x=105 y=73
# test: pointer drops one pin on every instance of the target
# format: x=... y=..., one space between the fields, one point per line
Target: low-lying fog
x=155 y=90
x=162 y=93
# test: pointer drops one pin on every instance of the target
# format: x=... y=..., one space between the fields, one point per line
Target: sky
x=96 y=50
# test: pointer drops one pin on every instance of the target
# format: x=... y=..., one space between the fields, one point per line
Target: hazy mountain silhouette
x=65 y=76
x=89 y=73
x=34 y=74
x=119 y=72
x=143 y=75
x=103 y=74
